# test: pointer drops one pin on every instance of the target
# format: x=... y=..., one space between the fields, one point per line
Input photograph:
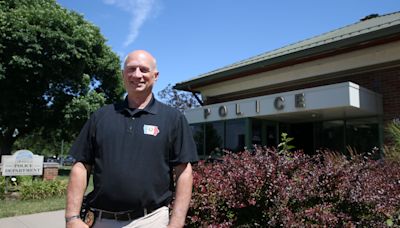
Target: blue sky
x=190 y=38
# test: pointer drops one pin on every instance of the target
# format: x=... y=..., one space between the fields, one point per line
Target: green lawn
x=9 y=208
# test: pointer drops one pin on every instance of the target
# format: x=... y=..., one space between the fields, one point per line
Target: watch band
x=70 y=218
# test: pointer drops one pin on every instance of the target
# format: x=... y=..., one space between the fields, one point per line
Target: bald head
x=143 y=56
x=139 y=74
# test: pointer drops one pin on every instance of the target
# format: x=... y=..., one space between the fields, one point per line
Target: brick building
x=334 y=90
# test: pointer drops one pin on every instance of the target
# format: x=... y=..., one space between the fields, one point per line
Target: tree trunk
x=6 y=142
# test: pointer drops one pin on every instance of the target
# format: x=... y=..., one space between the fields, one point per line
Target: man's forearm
x=76 y=188
x=183 y=195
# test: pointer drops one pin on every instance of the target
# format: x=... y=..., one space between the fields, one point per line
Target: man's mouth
x=136 y=83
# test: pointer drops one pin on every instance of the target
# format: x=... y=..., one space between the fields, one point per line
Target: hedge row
x=33 y=189
x=265 y=188
x=43 y=189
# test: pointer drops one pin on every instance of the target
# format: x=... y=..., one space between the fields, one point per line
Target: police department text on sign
x=22 y=163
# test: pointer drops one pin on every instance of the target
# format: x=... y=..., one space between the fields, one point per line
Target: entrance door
x=272 y=135
x=303 y=135
x=264 y=132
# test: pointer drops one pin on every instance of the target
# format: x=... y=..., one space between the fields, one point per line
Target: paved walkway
x=53 y=219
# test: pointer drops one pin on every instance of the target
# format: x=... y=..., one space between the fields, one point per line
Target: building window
x=235 y=135
x=198 y=135
x=272 y=136
x=362 y=134
x=256 y=132
x=214 y=137
x=330 y=135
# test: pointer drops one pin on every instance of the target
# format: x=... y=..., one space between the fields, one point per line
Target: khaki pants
x=157 y=219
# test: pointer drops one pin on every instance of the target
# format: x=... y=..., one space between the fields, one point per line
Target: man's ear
x=156 y=75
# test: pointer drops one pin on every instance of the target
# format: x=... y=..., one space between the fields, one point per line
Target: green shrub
x=2 y=187
x=394 y=130
x=39 y=189
x=392 y=152
x=284 y=147
x=11 y=184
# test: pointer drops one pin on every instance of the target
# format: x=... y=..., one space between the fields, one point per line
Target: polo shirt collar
x=152 y=107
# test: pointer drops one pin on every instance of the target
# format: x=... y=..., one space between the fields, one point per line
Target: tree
x=41 y=142
x=178 y=99
x=58 y=141
x=48 y=56
x=79 y=110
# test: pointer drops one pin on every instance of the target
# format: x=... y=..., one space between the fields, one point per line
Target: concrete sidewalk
x=53 y=219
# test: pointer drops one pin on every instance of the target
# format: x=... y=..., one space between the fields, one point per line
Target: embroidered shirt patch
x=150 y=130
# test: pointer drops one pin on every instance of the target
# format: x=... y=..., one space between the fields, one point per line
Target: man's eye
x=144 y=70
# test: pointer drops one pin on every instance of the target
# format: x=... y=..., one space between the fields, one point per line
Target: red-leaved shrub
x=264 y=188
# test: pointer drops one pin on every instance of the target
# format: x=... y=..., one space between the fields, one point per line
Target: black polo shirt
x=132 y=153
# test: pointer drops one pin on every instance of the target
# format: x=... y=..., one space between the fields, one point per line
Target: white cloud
x=140 y=10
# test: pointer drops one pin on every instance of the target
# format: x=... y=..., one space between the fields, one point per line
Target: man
x=134 y=149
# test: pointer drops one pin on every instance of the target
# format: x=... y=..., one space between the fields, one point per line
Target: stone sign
x=22 y=163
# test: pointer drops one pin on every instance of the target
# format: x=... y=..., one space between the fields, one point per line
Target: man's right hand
x=76 y=223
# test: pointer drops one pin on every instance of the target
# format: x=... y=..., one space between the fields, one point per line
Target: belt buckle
x=119 y=216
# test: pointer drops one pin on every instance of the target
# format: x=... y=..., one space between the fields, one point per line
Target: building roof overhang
x=352 y=38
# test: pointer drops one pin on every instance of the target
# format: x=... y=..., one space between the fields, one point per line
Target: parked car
x=69 y=160
x=51 y=159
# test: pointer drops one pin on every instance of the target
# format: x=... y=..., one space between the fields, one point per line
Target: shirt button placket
x=130 y=125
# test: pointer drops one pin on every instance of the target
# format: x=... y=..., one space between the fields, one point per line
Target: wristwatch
x=70 y=218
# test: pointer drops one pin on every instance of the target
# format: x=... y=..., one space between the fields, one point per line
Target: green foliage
x=44 y=143
x=394 y=220
x=39 y=189
x=284 y=146
x=80 y=108
x=21 y=179
x=30 y=188
x=392 y=152
x=49 y=56
x=394 y=130
x=2 y=187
